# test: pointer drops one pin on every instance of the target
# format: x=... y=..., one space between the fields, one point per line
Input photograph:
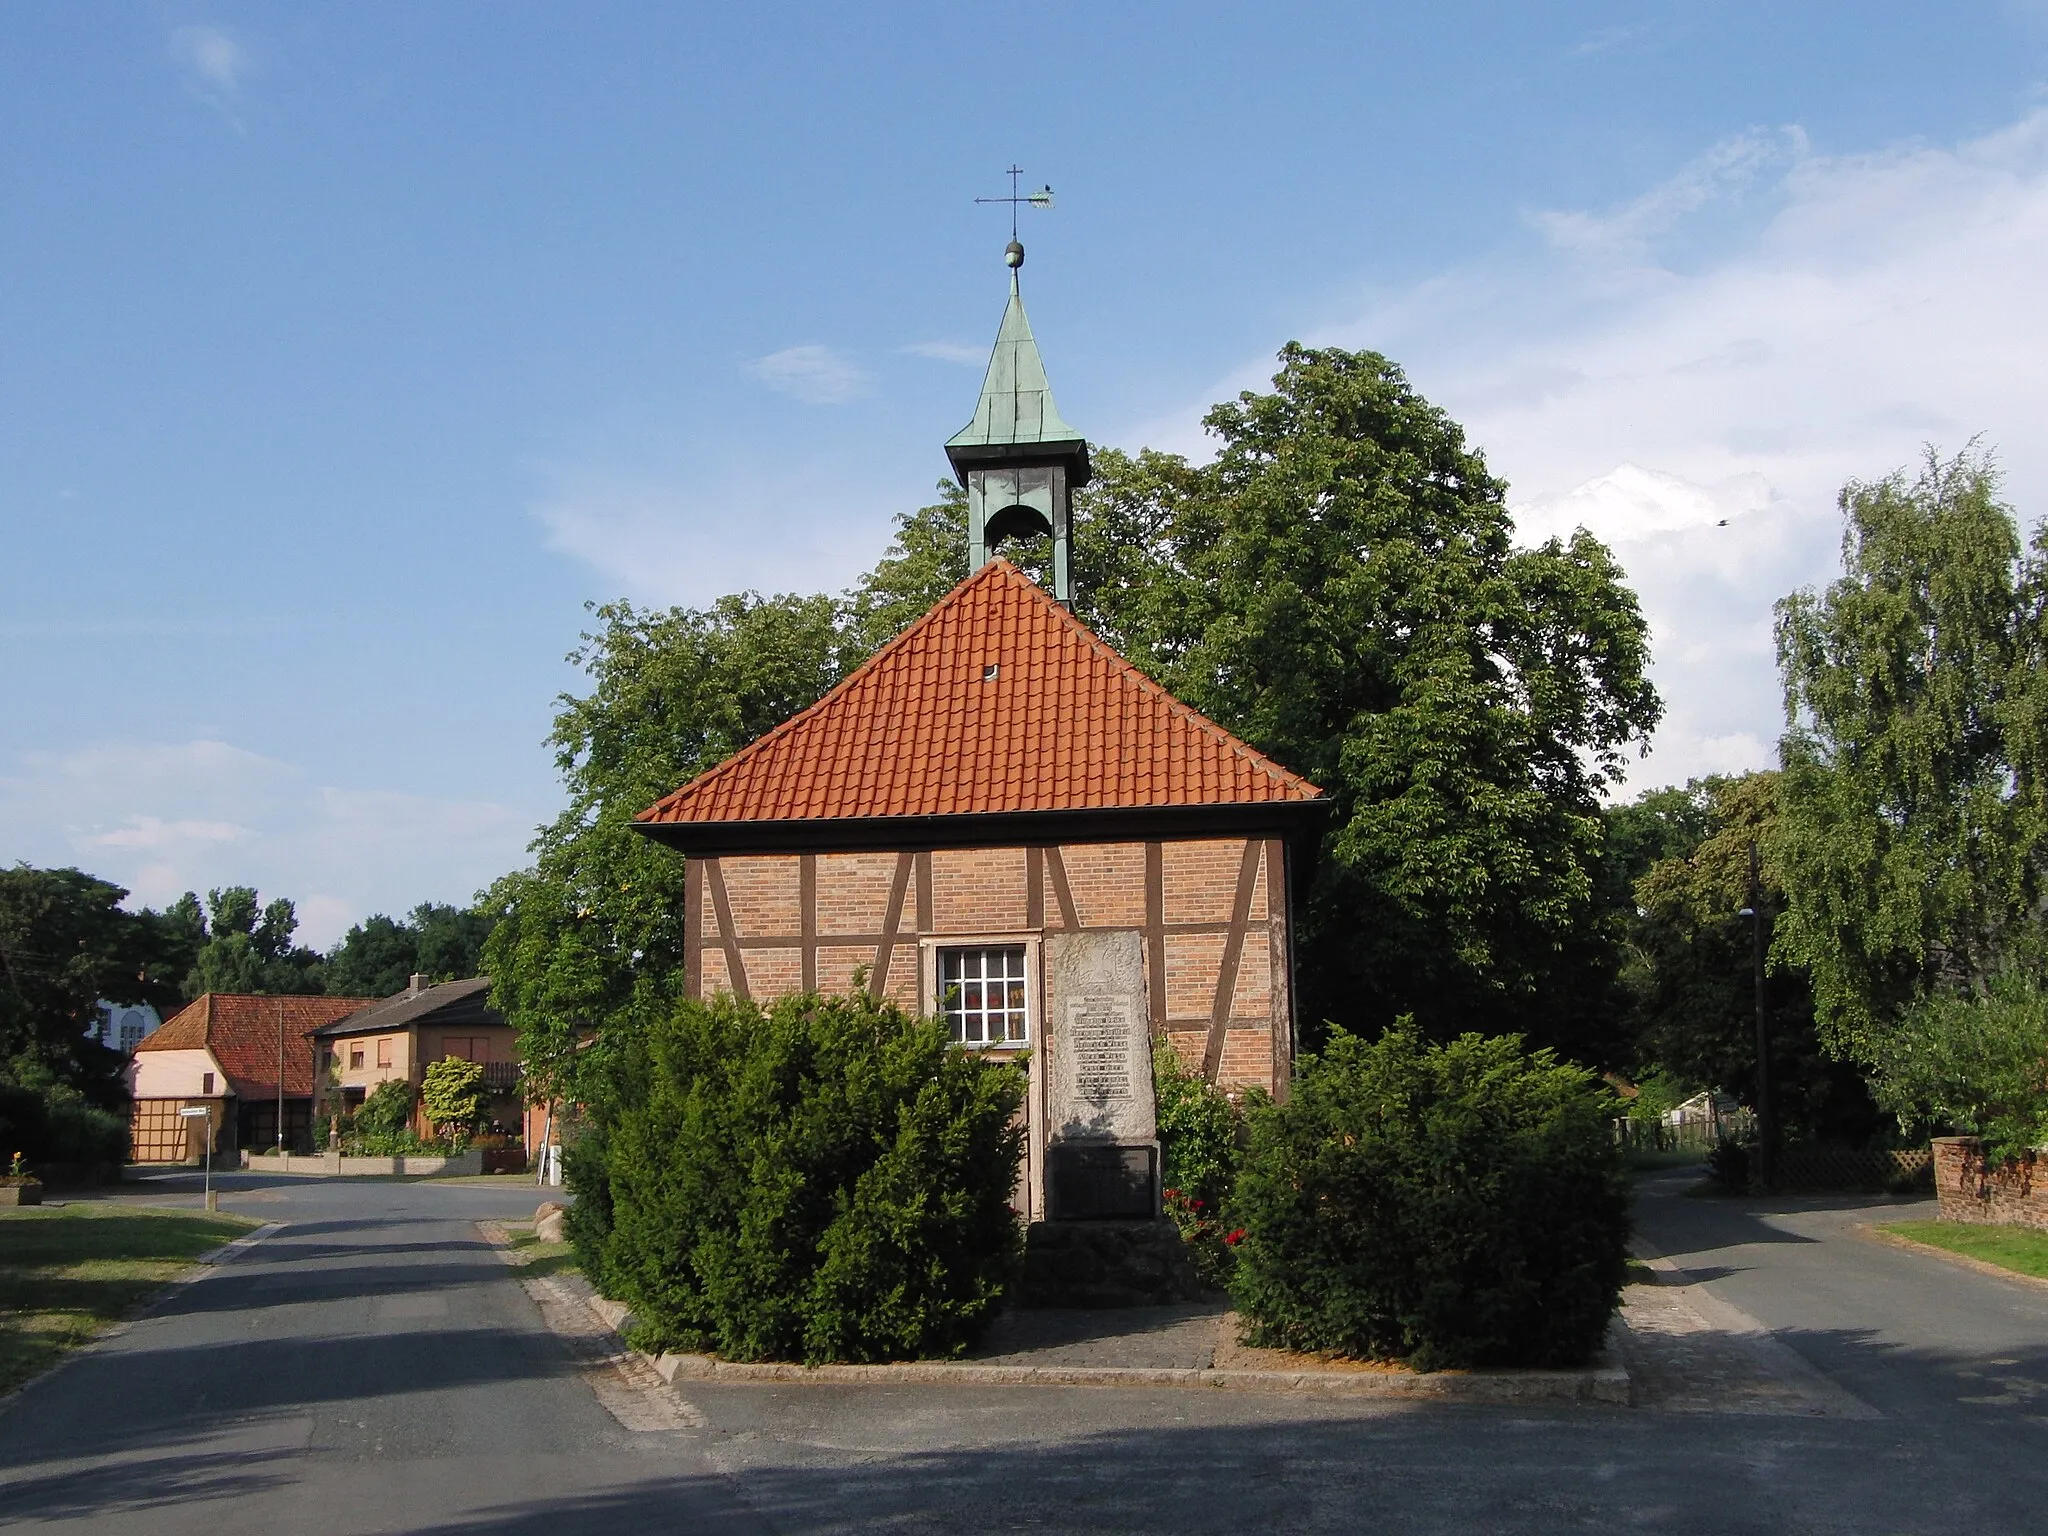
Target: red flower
x=1194 y=1205
x=1235 y=1237
x=1171 y=1194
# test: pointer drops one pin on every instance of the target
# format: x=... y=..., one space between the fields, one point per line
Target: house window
x=982 y=994
x=206 y=1082
x=355 y=1056
x=384 y=1052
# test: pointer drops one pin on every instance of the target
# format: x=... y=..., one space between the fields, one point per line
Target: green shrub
x=79 y=1133
x=1449 y=1206
x=1728 y=1165
x=387 y=1111
x=57 y=1125
x=827 y=1179
x=1200 y=1135
x=453 y=1094
x=589 y=1221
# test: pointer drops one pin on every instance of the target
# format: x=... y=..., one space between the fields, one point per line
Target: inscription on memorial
x=1099 y=1036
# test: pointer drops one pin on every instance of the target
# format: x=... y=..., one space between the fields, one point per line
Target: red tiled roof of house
x=241 y=1031
x=997 y=700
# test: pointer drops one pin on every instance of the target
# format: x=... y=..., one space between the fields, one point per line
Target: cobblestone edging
x=1605 y=1382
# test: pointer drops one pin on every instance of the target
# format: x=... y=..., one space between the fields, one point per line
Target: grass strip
x=536 y=1257
x=68 y=1274
x=2023 y=1250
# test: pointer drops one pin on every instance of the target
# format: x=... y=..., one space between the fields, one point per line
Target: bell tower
x=1018 y=460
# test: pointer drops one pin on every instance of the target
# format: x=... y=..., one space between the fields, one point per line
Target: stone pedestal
x=1107 y=1264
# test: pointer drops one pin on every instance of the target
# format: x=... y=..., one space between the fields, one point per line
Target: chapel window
x=982 y=994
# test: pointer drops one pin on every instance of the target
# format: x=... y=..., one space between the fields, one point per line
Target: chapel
x=999 y=821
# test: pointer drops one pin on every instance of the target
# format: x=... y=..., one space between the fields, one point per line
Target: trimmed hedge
x=827 y=1179
x=1449 y=1206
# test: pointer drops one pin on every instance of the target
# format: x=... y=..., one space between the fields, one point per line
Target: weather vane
x=1042 y=198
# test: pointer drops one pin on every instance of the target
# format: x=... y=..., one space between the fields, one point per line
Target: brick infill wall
x=2011 y=1194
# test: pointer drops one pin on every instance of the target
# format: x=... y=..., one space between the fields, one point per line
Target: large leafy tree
x=1911 y=783
x=1341 y=587
x=65 y=943
x=380 y=955
x=588 y=944
x=246 y=946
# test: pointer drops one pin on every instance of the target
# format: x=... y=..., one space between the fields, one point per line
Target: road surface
x=374 y=1367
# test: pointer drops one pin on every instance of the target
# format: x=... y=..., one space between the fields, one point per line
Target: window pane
x=982 y=994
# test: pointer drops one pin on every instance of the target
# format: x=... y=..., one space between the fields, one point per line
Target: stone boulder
x=550 y=1222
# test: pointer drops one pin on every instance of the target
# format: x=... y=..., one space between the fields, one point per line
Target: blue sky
x=346 y=350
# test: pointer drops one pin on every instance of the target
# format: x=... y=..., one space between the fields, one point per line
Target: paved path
x=373 y=1367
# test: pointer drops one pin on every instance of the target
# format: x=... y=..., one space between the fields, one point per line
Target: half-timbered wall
x=1212 y=910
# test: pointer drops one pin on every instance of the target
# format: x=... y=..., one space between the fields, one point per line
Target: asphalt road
x=373 y=1367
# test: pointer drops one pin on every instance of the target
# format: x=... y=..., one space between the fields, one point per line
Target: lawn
x=2022 y=1250
x=66 y=1274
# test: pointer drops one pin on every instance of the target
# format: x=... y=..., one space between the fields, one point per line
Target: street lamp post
x=206 y=1115
x=280 y=1082
x=1766 y=1122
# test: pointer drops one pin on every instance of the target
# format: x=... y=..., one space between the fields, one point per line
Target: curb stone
x=1606 y=1381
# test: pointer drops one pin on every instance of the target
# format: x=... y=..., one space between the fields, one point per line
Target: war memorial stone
x=1103 y=1153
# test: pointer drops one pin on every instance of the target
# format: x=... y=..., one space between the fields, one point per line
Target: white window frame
x=928 y=966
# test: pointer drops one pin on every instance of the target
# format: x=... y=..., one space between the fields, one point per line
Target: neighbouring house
x=122 y=1026
x=999 y=821
x=228 y=1053
x=400 y=1036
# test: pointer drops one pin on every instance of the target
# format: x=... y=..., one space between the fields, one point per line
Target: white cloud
x=1652 y=369
x=950 y=352
x=671 y=540
x=815 y=375
x=155 y=834
x=165 y=818
x=213 y=58
x=1727 y=168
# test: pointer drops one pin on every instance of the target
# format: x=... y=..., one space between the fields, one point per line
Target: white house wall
x=176 y=1075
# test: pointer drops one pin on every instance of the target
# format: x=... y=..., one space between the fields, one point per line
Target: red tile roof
x=998 y=700
x=241 y=1031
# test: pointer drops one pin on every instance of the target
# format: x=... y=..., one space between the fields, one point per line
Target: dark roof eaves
x=989 y=829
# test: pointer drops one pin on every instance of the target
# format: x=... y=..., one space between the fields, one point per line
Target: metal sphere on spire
x=1013 y=255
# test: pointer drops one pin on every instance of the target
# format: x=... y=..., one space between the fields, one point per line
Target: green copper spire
x=1018 y=459
x=1016 y=399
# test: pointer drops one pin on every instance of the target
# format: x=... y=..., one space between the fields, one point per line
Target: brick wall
x=2013 y=1195
x=1217 y=944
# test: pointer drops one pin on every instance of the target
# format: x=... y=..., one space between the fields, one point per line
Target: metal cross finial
x=1042 y=198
